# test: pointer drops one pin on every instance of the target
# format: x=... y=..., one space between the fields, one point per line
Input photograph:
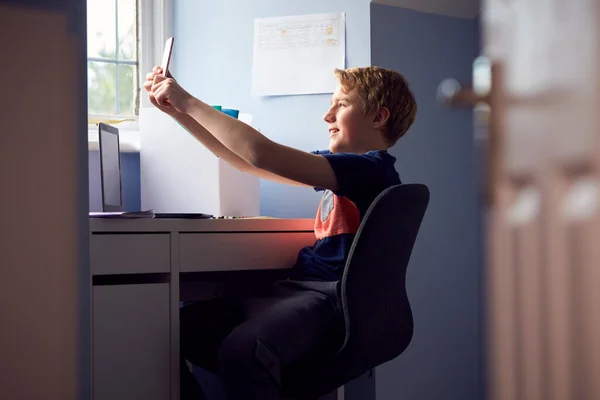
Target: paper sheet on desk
x=297 y=55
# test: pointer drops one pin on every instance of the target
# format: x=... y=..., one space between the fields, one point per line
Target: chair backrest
x=379 y=323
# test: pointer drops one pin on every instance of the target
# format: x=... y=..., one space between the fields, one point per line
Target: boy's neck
x=362 y=151
x=369 y=147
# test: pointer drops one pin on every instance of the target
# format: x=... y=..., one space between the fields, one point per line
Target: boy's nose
x=329 y=117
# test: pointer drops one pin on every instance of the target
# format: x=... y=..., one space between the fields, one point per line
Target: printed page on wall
x=297 y=54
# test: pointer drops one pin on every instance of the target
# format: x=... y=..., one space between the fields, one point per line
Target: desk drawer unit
x=240 y=251
x=130 y=253
x=131 y=342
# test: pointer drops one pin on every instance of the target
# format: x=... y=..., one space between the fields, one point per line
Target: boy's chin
x=334 y=147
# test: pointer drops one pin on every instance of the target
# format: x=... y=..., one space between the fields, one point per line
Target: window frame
x=154 y=27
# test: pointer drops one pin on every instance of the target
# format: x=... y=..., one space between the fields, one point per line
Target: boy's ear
x=381 y=117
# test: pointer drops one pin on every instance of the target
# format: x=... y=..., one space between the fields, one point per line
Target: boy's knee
x=247 y=356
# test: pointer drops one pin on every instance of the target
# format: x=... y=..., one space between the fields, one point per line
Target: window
x=113 y=63
x=125 y=39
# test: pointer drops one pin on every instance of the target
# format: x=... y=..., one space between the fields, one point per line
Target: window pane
x=102 y=88
x=127 y=89
x=101 y=28
x=127 y=17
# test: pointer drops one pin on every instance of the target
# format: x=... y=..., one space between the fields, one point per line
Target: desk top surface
x=149 y=225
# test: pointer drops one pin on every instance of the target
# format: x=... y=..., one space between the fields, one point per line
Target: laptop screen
x=110 y=168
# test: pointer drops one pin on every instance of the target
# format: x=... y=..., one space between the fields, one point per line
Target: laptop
x=111 y=182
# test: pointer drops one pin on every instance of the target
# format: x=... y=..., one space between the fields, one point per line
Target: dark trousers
x=249 y=341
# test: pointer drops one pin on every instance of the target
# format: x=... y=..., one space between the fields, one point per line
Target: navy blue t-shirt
x=361 y=177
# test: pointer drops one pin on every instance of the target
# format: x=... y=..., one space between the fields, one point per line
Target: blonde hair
x=381 y=87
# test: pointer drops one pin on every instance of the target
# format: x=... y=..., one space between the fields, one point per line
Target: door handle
x=483 y=98
x=451 y=92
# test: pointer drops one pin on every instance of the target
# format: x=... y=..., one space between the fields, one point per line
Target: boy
x=249 y=341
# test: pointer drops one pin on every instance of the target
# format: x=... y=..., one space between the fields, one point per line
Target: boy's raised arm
x=261 y=152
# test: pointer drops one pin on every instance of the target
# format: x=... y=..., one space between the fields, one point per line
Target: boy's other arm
x=260 y=152
x=217 y=148
x=245 y=141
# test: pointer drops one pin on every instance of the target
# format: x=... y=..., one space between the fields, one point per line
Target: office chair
x=377 y=314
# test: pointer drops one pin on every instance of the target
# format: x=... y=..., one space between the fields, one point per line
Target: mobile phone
x=166 y=60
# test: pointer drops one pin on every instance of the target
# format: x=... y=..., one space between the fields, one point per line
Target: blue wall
x=212 y=59
x=444 y=359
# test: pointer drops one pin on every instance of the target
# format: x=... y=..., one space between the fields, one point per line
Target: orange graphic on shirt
x=336 y=216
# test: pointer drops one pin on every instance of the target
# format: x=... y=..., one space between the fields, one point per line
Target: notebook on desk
x=111 y=182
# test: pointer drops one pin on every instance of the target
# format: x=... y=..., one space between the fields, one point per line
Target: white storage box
x=178 y=174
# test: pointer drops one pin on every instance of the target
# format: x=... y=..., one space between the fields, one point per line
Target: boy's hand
x=165 y=107
x=166 y=94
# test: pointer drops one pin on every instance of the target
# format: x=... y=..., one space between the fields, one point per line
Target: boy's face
x=349 y=128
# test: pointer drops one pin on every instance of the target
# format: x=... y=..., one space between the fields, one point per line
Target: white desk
x=135 y=290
